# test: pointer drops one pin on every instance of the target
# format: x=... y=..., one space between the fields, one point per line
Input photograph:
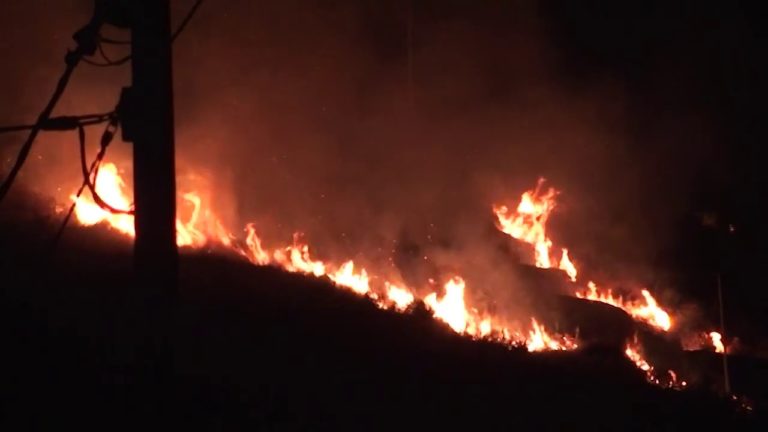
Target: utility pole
x=155 y=250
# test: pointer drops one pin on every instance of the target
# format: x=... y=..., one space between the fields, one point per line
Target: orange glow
x=646 y=310
x=717 y=341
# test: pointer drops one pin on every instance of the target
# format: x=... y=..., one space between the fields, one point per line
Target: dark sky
x=643 y=113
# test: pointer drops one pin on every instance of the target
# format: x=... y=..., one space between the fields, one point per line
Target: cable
x=186 y=20
x=106 y=139
x=72 y=60
x=123 y=60
x=93 y=171
x=110 y=41
x=62 y=123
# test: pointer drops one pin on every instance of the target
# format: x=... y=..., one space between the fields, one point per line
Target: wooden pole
x=155 y=250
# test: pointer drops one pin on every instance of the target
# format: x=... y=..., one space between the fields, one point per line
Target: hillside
x=257 y=348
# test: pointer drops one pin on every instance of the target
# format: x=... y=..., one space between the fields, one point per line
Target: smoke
x=309 y=116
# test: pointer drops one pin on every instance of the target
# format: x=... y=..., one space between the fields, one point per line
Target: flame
x=633 y=351
x=201 y=226
x=540 y=340
x=111 y=187
x=296 y=258
x=347 y=277
x=400 y=297
x=451 y=308
x=646 y=310
x=567 y=266
x=529 y=222
x=717 y=341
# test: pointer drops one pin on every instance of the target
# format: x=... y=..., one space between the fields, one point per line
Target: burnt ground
x=256 y=348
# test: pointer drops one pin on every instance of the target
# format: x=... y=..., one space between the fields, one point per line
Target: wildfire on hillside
x=526 y=223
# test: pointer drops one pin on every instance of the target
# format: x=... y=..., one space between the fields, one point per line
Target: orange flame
x=111 y=187
x=529 y=222
x=197 y=231
x=634 y=353
x=400 y=297
x=717 y=341
x=646 y=310
x=451 y=307
x=540 y=340
x=567 y=266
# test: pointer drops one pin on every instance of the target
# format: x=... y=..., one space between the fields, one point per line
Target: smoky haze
x=303 y=117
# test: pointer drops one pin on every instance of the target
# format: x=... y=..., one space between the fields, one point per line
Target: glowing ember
x=717 y=342
x=646 y=310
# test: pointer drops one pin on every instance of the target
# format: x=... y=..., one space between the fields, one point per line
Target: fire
x=196 y=231
x=400 y=297
x=347 y=277
x=528 y=224
x=451 y=307
x=633 y=351
x=540 y=340
x=717 y=341
x=646 y=310
x=111 y=187
x=567 y=266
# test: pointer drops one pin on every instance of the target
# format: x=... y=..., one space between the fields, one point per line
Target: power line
x=106 y=139
x=62 y=123
x=72 y=59
x=123 y=60
x=92 y=172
